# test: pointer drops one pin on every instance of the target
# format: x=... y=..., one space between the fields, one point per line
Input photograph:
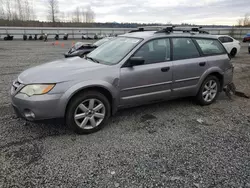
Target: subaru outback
x=130 y=70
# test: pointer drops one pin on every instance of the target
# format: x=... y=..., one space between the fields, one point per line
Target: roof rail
x=192 y=30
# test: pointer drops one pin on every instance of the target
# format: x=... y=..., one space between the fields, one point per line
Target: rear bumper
x=228 y=76
x=38 y=107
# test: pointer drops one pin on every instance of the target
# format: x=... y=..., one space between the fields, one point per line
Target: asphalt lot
x=172 y=144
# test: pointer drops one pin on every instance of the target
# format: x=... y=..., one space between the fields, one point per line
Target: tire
x=87 y=116
x=233 y=52
x=201 y=98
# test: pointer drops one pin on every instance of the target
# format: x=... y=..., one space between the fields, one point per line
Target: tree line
x=22 y=13
x=245 y=21
x=17 y=10
x=23 y=10
x=79 y=15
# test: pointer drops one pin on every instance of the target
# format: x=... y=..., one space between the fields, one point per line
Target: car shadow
x=57 y=127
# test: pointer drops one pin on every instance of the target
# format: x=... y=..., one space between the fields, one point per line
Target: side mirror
x=134 y=61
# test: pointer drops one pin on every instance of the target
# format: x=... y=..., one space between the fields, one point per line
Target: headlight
x=37 y=89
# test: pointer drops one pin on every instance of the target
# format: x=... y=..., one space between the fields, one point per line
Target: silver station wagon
x=133 y=69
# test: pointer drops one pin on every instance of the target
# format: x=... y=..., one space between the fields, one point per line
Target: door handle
x=202 y=64
x=165 y=69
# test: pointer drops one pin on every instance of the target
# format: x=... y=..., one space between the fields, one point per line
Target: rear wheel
x=209 y=91
x=233 y=52
x=88 y=112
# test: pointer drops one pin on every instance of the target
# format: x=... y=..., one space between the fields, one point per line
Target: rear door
x=188 y=66
x=151 y=81
x=215 y=54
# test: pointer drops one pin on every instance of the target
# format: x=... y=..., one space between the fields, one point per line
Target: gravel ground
x=172 y=144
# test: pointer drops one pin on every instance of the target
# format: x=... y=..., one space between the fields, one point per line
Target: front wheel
x=209 y=91
x=88 y=112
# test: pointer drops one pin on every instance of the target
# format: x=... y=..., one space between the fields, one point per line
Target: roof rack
x=192 y=30
x=141 y=29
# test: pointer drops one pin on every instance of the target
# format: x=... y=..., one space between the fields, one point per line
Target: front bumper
x=37 y=107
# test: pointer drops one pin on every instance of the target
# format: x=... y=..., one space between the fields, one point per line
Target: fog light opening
x=29 y=115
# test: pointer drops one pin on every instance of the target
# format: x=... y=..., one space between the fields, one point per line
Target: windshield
x=113 y=51
x=100 y=42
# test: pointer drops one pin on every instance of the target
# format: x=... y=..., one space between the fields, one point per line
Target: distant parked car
x=8 y=37
x=80 y=49
x=85 y=37
x=65 y=37
x=25 y=37
x=232 y=45
x=57 y=37
x=246 y=38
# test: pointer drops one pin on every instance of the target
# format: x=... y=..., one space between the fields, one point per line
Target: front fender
x=112 y=88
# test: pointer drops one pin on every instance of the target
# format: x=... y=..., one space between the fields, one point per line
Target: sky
x=222 y=12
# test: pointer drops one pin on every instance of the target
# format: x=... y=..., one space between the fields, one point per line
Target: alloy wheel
x=210 y=91
x=89 y=114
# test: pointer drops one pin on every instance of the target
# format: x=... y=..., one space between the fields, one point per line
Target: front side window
x=210 y=46
x=113 y=51
x=154 y=51
x=184 y=48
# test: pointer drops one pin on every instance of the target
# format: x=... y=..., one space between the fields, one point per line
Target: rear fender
x=210 y=71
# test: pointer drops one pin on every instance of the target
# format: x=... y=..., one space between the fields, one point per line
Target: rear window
x=225 y=39
x=222 y=39
x=210 y=46
x=228 y=39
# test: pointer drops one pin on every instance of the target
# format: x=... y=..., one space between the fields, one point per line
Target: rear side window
x=225 y=39
x=210 y=46
x=228 y=39
x=222 y=39
x=184 y=48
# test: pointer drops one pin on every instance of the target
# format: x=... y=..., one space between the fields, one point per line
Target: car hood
x=59 y=71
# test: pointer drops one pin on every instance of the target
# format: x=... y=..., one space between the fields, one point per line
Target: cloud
x=160 y=11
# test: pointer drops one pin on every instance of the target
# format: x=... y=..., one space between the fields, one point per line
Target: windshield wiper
x=92 y=59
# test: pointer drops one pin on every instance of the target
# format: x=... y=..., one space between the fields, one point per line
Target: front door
x=151 y=81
